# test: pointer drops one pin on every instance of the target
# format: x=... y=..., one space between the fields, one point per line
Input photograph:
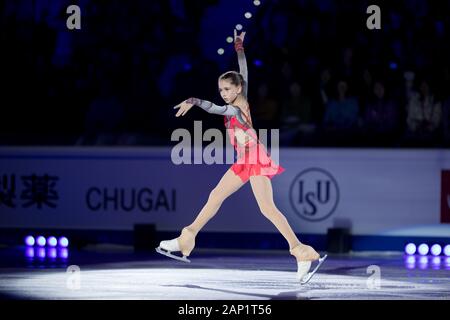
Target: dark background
x=314 y=68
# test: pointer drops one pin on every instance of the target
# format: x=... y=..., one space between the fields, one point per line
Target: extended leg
x=262 y=189
x=229 y=184
x=185 y=243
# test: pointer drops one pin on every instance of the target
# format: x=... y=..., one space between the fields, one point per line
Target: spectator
x=297 y=116
x=381 y=117
x=342 y=112
x=266 y=110
x=341 y=117
x=446 y=121
x=104 y=118
x=297 y=109
x=424 y=115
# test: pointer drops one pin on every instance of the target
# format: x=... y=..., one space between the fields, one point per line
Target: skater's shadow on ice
x=287 y=295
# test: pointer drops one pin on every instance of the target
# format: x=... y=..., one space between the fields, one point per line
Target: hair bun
x=234 y=77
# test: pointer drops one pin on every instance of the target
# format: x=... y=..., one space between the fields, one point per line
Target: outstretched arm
x=208 y=106
x=239 y=47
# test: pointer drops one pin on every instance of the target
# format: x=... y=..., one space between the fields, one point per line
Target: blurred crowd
x=315 y=71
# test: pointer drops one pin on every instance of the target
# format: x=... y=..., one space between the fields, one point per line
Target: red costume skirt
x=255 y=162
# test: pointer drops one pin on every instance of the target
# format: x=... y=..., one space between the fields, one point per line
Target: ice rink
x=118 y=273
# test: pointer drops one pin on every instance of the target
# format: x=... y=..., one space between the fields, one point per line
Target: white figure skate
x=303 y=267
x=184 y=243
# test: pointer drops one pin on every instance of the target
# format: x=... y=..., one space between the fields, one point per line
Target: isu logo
x=314 y=194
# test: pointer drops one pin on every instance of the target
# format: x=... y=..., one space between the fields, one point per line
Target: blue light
x=187 y=67
x=423 y=249
x=393 y=65
x=29 y=241
x=447 y=250
x=436 y=249
x=440 y=28
x=258 y=63
x=40 y=241
x=63 y=242
x=410 y=248
x=52 y=242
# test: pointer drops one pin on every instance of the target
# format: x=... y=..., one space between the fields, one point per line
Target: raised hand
x=239 y=38
x=184 y=108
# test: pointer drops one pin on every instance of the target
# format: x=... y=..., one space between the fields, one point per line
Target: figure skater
x=253 y=164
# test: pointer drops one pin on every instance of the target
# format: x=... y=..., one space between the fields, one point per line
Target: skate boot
x=305 y=255
x=185 y=243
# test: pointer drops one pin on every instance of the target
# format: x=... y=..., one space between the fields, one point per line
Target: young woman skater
x=253 y=164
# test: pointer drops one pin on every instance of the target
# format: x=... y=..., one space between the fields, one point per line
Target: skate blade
x=170 y=255
x=308 y=277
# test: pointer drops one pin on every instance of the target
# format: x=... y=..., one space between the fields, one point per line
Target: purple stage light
x=410 y=262
x=63 y=253
x=423 y=249
x=436 y=249
x=436 y=262
x=410 y=248
x=447 y=263
x=29 y=241
x=40 y=241
x=29 y=252
x=423 y=262
x=41 y=253
x=51 y=253
x=447 y=250
x=63 y=242
x=52 y=242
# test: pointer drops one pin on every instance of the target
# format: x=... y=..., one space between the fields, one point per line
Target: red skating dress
x=253 y=159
